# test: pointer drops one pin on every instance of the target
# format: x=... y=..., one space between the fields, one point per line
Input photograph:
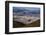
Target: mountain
x=26 y=11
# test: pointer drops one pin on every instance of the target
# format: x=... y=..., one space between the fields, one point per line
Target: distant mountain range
x=26 y=10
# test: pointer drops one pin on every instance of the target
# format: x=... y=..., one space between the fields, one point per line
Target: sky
x=26 y=10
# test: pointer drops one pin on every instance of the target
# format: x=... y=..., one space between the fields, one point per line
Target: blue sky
x=26 y=10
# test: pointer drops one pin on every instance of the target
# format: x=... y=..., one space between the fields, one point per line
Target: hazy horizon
x=26 y=11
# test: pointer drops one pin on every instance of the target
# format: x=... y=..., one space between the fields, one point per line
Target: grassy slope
x=33 y=24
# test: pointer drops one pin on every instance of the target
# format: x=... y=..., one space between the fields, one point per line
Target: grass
x=33 y=24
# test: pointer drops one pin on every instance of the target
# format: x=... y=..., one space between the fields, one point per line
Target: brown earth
x=33 y=24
